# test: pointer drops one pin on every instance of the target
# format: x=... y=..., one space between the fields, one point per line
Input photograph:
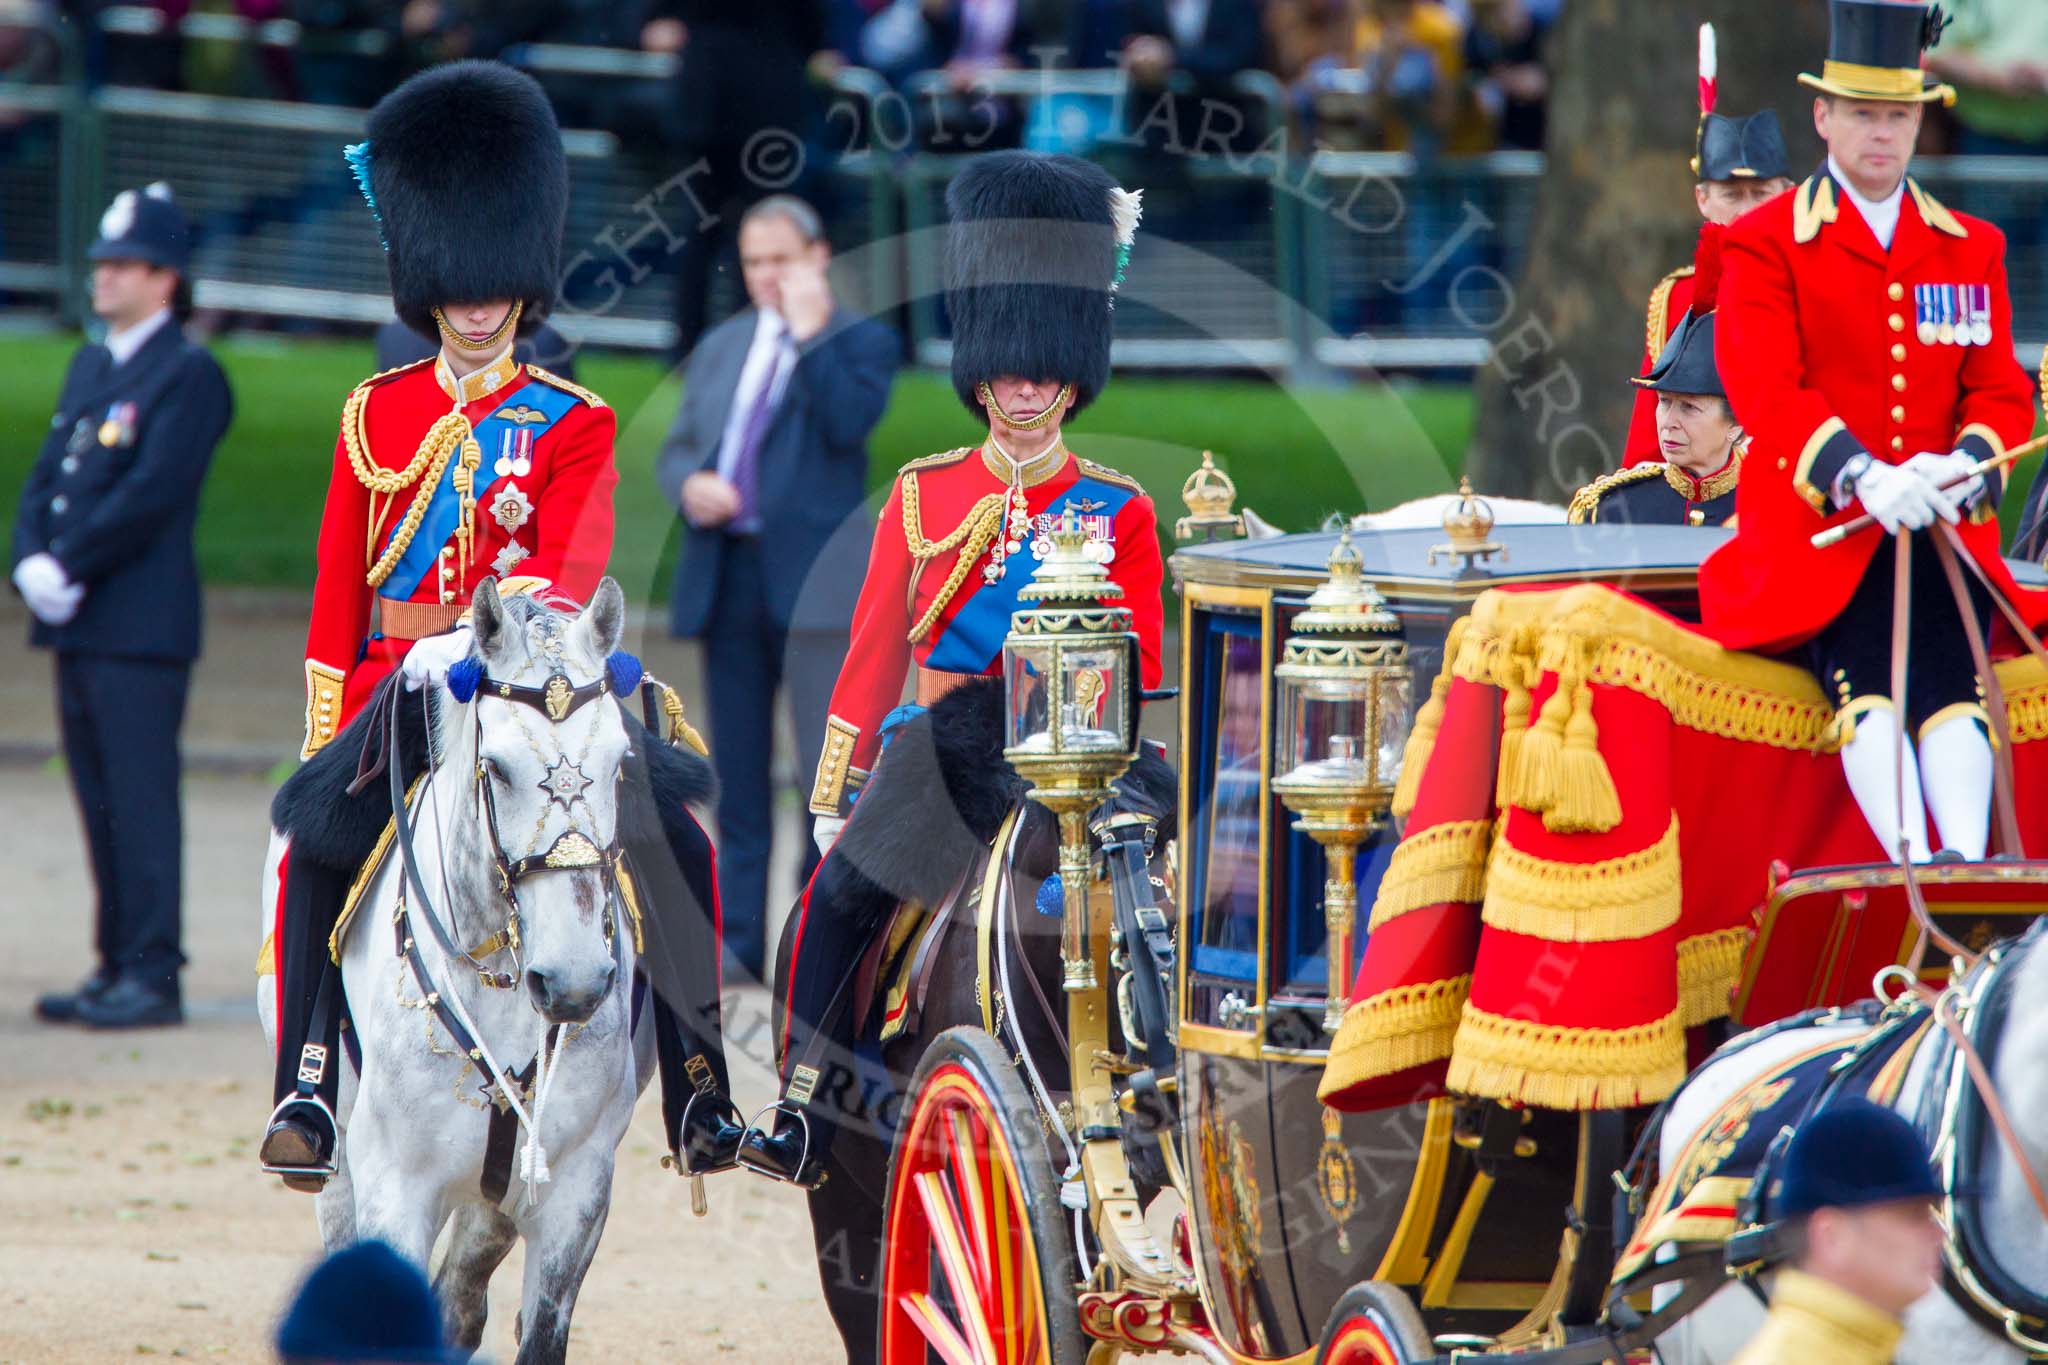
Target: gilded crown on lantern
x=1210 y=496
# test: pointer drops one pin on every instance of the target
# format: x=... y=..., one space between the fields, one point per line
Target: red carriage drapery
x=1594 y=793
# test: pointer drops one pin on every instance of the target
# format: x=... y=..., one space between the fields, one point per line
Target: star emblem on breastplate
x=565 y=781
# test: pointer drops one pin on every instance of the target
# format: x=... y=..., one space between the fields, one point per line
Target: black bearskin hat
x=465 y=172
x=1036 y=250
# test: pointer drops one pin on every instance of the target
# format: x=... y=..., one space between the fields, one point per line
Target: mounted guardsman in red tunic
x=449 y=472
x=1037 y=246
x=1866 y=338
x=1738 y=163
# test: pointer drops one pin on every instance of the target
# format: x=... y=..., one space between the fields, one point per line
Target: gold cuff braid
x=829 y=789
x=323 y=705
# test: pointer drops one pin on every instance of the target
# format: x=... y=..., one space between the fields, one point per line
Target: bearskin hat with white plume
x=465 y=172
x=1036 y=250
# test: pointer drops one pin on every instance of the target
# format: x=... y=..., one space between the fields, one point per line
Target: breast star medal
x=511 y=508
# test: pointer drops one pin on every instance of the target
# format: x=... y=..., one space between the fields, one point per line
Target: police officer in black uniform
x=103 y=557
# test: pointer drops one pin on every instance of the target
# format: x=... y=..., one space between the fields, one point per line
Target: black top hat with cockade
x=1874 y=49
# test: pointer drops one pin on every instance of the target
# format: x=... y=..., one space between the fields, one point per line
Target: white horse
x=512 y=788
x=1938 y=1330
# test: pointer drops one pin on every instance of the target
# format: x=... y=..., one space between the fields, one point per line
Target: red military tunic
x=544 y=521
x=1819 y=347
x=1670 y=301
x=913 y=611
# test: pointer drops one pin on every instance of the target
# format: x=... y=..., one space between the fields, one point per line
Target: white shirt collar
x=1880 y=215
x=122 y=345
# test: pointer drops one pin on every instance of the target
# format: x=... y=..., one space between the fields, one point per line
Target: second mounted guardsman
x=1738 y=163
x=465 y=468
x=1036 y=249
x=1700 y=444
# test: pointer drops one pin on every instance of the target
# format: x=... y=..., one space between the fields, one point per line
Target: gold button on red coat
x=1898 y=350
x=1898 y=383
x=1898 y=323
x=1898 y=443
x=1898 y=414
x=1896 y=292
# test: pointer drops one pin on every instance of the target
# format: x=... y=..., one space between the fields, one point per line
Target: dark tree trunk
x=1614 y=213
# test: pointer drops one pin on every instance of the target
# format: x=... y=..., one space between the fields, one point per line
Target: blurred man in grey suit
x=767 y=462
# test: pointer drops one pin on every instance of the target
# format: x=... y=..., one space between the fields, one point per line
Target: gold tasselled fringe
x=1422 y=738
x=1514 y=730
x=1518 y=1062
x=1709 y=966
x=1630 y=897
x=1388 y=1033
x=1584 y=800
x=1444 y=863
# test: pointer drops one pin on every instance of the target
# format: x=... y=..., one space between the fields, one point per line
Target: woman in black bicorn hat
x=1700 y=443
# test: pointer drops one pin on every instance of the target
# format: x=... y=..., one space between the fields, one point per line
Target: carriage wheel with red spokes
x=1375 y=1324
x=977 y=1253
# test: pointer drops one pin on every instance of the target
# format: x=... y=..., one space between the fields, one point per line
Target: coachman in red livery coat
x=1866 y=342
x=449 y=471
x=1738 y=164
x=1037 y=245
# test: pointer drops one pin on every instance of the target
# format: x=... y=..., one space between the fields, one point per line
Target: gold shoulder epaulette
x=549 y=377
x=1813 y=205
x=938 y=461
x=1585 y=505
x=382 y=375
x=1108 y=475
x=1655 y=333
x=1933 y=212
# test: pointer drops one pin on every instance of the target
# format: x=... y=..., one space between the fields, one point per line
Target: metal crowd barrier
x=1250 y=259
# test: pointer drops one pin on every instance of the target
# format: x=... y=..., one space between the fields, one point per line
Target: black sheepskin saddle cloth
x=338 y=830
x=938 y=797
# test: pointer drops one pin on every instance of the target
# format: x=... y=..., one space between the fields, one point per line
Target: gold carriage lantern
x=1070 y=684
x=1344 y=716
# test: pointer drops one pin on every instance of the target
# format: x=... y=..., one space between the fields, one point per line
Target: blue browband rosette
x=463 y=677
x=624 y=671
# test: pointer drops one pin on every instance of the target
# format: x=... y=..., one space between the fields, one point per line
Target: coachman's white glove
x=427 y=662
x=824 y=830
x=1939 y=469
x=1899 y=496
x=47 y=589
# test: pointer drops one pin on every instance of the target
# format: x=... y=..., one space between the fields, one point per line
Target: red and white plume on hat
x=1710 y=69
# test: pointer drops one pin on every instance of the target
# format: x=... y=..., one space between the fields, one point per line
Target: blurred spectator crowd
x=1424 y=75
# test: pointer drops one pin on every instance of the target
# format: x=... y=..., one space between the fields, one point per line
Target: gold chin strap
x=1044 y=419
x=489 y=343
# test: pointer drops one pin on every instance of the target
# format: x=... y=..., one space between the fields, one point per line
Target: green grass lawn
x=1296 y=455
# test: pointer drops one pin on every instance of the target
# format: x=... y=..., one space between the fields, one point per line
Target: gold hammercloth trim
x=1518 y=1062
x=1709 y=966
x=1445 y=862
x=1408 y=1026
x=1628 y=897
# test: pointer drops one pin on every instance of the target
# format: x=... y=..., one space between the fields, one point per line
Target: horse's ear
x=487 y=615
x=604 y=620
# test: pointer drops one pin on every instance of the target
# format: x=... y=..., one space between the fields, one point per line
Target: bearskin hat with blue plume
x=1036 y=250
x=464 y=169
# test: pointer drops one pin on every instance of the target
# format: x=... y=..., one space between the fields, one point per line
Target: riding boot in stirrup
x=786 y=1154
x=710 y=1135
x=299 y=1144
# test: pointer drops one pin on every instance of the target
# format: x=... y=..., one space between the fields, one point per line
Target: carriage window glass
x=1230 y=813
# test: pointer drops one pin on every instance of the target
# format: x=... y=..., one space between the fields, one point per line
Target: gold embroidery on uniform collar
x=1721 y=481
x=1023 y=473
x=478 y=384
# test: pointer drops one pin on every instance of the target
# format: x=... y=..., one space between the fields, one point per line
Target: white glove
x=1939 y=469
x=47 y=589
x=824 y=830
x=426 y=663
x=1899 y=496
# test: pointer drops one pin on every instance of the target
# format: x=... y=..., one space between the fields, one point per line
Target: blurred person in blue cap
x=1859 y=1193
x=364 y=1303
x=103 y=557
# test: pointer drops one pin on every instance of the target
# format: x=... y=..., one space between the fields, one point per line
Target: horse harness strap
x=504 y=1128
